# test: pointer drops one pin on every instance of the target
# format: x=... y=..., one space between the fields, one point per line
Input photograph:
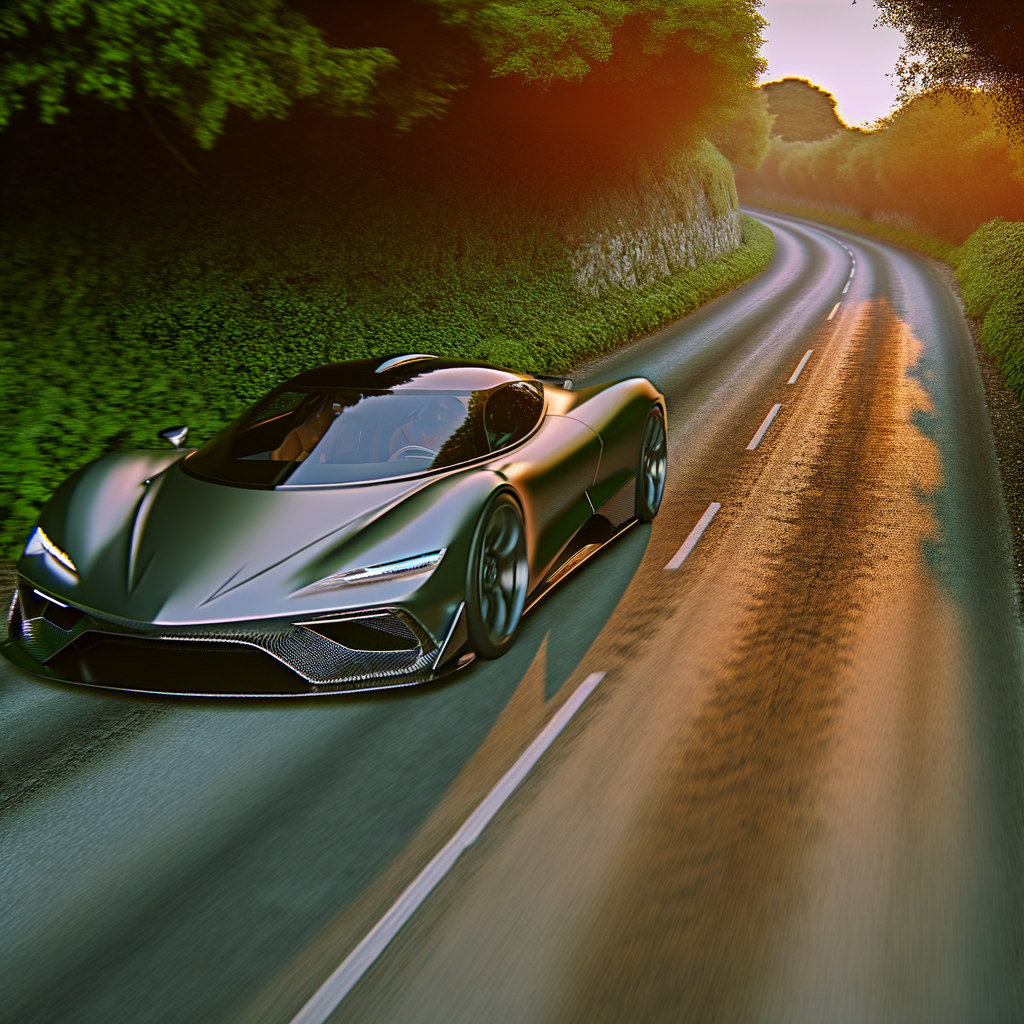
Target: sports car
x=367 y=524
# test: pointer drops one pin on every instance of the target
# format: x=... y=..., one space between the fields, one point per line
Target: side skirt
x=590 y=539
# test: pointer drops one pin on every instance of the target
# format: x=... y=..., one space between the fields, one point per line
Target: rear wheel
x=652 y=467
x=497 y=578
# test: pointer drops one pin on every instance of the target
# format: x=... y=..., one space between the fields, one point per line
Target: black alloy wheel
x=498 y=578
x=653 y=465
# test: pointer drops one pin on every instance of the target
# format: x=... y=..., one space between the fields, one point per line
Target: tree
x=744 y=141
x=802 y=111
x=960 y=45
x=197 y=57
x=200 y=58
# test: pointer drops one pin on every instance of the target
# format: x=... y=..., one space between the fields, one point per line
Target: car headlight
x=420 y=565
x=39 y=543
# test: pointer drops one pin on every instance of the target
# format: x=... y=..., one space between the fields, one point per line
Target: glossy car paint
x=163 y=553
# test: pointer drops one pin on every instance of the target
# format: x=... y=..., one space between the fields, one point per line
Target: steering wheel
x=413 y=451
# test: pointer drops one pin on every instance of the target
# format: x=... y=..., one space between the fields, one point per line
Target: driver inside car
x=300 y=441
x=429 y=427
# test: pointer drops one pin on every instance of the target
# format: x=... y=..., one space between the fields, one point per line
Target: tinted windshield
x=298 y=438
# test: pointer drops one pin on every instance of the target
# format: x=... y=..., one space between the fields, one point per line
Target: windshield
x=298 y=438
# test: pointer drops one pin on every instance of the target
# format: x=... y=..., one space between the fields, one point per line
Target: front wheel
x=652 y=467
x=497 y=578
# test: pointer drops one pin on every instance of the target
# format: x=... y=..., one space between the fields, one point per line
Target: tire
x=652 y=466
x=497 y=578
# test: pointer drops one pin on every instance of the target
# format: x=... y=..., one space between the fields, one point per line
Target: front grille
x=336 y=649
x=174 y=666
x=318 y=658
x=271 y=656
x=372 y=633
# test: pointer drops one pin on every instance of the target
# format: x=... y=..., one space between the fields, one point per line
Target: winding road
x=794 y=794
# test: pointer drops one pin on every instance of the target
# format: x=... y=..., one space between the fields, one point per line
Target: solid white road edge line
x=695 y=534
x=800 y=366
x=761 y=430
x=834 y=308
x=355 y=965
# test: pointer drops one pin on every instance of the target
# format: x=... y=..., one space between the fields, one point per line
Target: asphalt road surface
x=794 y=797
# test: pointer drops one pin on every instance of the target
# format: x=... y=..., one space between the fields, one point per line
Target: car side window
x=511 y=412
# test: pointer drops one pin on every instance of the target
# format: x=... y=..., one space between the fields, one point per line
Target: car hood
x=172 y=549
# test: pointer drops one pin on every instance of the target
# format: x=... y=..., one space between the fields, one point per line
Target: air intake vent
x=384 y=634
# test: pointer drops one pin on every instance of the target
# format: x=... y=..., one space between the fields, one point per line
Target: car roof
x=413 y=373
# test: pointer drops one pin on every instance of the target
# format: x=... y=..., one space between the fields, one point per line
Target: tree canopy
x=202 y=58
x=802 y=111
x=937 y=167
x=962 y=45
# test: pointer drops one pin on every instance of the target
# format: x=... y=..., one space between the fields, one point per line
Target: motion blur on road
x=794 y=797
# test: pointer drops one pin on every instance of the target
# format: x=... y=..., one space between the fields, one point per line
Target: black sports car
x=370 y=523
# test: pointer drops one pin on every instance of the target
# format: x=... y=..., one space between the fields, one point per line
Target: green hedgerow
x=990 y=267
x=120 y=316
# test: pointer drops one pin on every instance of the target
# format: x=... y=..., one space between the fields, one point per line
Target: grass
x=935 y=247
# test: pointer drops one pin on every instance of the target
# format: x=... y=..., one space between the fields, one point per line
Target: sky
x=833 y=43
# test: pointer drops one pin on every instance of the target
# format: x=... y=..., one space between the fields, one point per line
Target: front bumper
x=369 y=649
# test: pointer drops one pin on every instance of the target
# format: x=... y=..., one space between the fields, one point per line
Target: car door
x=552 y=472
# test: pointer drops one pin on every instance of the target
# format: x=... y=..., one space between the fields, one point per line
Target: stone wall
x=685 y=216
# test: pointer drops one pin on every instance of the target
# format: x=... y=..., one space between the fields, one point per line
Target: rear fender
x=618 y=413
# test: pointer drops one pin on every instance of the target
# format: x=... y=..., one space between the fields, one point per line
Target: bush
x=991 y=271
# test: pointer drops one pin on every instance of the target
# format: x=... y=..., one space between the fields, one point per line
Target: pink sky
x=833 y=43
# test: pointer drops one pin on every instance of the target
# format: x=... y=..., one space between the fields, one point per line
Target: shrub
x=991 y=272
x=126 y=311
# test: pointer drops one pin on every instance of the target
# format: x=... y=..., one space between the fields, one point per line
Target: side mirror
x=558 y=382
x=176 y=435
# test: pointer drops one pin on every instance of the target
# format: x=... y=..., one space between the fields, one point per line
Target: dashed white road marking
x=846 y=288
x=339 y=984
x=800 y=366
x=761 y=430
x=695 y=534
x=834 y=308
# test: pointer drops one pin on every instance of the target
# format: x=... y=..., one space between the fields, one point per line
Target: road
x=795 y=796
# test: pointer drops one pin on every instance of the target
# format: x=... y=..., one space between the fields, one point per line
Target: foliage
x=803 y=112
x=133 y=296
x=744 y=140
x=567 y=39
x=123 y=311
x=962 y=45
x=935 y=247
x=197 y=57
x=201 y=58
x=990 y=267
x=937 y=167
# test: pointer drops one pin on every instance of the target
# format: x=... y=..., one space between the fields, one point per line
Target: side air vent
x=46 y=625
